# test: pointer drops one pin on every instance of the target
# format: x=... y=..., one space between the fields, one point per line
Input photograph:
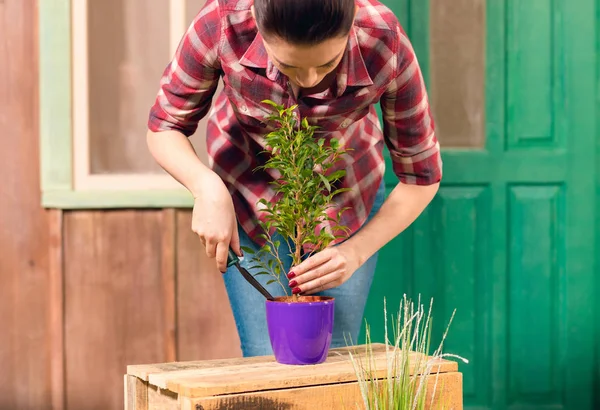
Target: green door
x=509 y=240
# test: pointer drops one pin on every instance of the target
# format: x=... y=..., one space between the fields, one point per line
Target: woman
x=336 y=59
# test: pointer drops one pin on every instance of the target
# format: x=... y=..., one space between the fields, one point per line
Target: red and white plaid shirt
x=379 y=65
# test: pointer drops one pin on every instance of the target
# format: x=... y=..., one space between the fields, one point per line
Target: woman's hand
x=213 y=219
x=324 y=270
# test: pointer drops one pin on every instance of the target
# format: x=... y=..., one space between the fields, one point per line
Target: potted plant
x=300 y=327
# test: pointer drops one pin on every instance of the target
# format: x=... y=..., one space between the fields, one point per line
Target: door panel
x=509 y=239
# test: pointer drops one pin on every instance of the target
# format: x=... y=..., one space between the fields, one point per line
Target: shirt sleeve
x=409 y=130
x=189 y=81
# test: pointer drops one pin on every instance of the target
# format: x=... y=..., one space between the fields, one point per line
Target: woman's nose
x=307 y=78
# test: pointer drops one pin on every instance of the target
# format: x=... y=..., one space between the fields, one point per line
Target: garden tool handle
x=234 y=260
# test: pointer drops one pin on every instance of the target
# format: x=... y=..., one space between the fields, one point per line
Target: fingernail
x=292 y=284
x=291 y=275
x=296 y=290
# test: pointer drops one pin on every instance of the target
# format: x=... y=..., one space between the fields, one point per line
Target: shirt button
x=346 y=122
x=244 y=108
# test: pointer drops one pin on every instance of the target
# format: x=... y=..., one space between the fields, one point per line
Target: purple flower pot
x=300 y=332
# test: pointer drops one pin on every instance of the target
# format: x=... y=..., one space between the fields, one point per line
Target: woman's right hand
x=213 y=219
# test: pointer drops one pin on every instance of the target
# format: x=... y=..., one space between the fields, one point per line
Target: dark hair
x=304 y=22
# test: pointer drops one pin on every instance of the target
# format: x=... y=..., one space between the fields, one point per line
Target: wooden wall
x=85 y=293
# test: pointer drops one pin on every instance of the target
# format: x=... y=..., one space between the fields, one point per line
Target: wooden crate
x=262 y=383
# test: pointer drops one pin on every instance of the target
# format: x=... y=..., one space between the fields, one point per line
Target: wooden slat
x=25 y=376
x=205 y=325
x=56 y=295
x=448 y=396
x=114 y=301
x=136 y=393
x=168 y=272
x=159 y=399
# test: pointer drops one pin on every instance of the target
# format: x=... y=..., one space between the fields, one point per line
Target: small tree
x=304 y=192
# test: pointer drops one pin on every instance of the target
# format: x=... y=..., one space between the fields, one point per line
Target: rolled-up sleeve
x=189 y=81
x=409 y=130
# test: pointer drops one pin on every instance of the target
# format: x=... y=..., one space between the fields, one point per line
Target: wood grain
x=25 y=331
x=136 y=393
x=333 y=396
x=57 y=307
x=205 y=325
x=114 y=301
x=168 y=275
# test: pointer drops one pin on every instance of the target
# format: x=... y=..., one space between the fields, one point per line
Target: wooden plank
x=168 y=272
x=274 y=376
x=25 y=375
x=114 y=301
x=136 y=393
x=144 y=371
x=56 y=295
x=206 y=329
x=448 y=395
x=160 y=399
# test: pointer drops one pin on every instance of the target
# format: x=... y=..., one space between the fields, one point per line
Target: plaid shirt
x=378 y=66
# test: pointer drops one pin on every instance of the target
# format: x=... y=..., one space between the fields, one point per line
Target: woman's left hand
x=324 y=270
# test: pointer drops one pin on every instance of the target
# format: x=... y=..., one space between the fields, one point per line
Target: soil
x=302 y=299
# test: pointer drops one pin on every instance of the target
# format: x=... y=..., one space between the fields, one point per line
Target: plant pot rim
x=282 y=300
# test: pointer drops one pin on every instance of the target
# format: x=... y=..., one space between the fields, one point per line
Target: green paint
x=509 y=240
x=55 y=94
x=64 y=199
x=596 y=381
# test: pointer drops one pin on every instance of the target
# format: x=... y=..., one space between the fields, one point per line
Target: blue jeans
x=248 y=305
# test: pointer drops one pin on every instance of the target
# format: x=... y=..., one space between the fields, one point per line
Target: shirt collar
x=352 y=70
x=256 y=56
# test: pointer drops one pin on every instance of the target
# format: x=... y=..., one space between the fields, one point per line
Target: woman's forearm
x=401 y=208
x=175 y=154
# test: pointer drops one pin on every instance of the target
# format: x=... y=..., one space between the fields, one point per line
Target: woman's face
x=306 y=66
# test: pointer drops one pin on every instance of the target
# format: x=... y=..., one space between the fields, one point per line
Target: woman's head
x=304 y=22
x=305 y=39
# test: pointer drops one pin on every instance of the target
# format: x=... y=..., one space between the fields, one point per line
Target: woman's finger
x=211 y=248
x=315 y=273
x=310 y=263
x=328 y=281
x=222 y=250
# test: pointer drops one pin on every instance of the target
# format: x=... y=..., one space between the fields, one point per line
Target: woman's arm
x=186 y=90
x=174 y=152
x=213 y=217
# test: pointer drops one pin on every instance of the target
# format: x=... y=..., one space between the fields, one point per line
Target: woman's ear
x=252 y=11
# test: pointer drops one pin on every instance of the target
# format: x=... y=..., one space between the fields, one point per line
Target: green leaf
x=336 y=175
x=325 y=181
x=271 y=281
x=271 y=103
x=246 y=249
